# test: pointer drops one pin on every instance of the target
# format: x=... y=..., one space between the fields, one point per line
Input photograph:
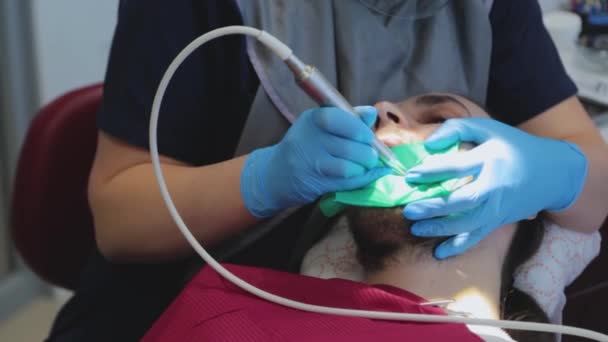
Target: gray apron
x=371 y=50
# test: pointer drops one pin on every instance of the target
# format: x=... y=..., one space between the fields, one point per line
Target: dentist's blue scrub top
x=204 y=112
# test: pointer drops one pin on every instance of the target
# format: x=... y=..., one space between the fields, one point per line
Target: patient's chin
x=379 y=223
x=385 y=226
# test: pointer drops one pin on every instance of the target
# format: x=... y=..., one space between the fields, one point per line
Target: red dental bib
x=212 y=309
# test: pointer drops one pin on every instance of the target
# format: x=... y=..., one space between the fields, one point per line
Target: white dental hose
x=285 y=53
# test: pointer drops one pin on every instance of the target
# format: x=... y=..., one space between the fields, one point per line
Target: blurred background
x=48 y=48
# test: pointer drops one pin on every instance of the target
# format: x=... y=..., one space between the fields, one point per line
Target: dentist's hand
x=516 y=174
x=325 y=150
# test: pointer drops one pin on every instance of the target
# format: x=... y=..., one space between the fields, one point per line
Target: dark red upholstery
x=51 y=222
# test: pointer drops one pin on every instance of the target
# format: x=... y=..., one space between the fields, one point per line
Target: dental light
x=324 y=93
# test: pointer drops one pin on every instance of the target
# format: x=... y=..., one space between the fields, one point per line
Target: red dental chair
x=51 y=221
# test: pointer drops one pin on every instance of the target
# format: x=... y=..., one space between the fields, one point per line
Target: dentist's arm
x=554 y=161
x=569 y=121
x=325 y=150
x=131 y=220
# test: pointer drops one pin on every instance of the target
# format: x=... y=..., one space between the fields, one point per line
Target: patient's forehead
x=416 y=103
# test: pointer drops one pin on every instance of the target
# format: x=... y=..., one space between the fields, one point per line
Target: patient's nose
x=393 y=126
x=389 y=114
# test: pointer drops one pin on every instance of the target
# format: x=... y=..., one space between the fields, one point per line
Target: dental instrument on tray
x=322 y=91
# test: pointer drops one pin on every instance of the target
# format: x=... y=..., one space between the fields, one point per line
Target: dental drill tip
x=397 y=167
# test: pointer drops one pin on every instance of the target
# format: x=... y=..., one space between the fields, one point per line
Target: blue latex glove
x=325 y=150
x=516 y=174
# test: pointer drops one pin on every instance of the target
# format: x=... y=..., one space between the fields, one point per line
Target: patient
x=400 y=272
x=480 y=282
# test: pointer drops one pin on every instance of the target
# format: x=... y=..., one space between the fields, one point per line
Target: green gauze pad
x=391 y=190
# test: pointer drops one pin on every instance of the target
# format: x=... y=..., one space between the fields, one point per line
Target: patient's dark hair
x=382 y=232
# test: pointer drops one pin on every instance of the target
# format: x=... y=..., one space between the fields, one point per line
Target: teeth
x=391 y=139
x=397 y=138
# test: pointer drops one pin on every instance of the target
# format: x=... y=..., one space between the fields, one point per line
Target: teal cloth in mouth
x=392 y=190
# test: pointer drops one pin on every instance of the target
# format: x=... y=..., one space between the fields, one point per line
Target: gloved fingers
x=368 y=114
x=461 y=243
x=340 y=123
x=333 y=167
x=362 y=180
x=437 y=168
x=449 y=225
x=455 y=130
x=353 y=151
x=467 y=197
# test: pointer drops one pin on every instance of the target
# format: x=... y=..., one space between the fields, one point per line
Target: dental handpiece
x=321 y=90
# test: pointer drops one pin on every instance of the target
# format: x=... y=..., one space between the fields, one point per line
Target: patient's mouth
x=392 y=139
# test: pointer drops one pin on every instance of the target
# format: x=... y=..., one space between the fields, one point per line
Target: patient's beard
x=473 y=279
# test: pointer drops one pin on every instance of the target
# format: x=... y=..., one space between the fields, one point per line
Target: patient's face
x=381 y=231
x=416 y=118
